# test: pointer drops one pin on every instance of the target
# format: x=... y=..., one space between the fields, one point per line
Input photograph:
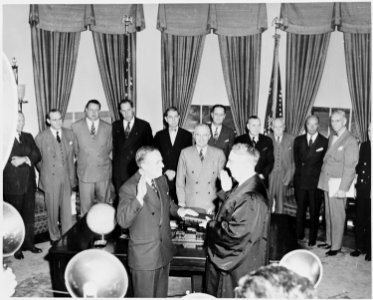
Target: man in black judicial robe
x=170 y=141
x=237 y=237
x=262 y=143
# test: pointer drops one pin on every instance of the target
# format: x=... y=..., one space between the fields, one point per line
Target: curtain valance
x=308 y=18
x=354 y=17
x=224 y=19
x=238 y=19
x=184 y=19
x=104 y=18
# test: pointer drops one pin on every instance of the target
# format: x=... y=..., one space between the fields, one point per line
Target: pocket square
x=340 y=148
x=264 y=149
x=320 y=149
x=226 y=141
x=70 y=142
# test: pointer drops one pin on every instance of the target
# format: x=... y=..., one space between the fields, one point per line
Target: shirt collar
x=89 y=122
x=314 y=137
x=204 y=149
x=213 y=127
x=252 y=138
x=174 y=130
x=341 y=132
x=125 y=122
x=54 y=132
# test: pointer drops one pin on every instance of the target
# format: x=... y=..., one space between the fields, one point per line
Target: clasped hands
x=19 y=160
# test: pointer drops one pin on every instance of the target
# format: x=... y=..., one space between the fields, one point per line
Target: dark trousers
x=150 y=283
x=25 y=205
x=312 y=199
x=362 y=224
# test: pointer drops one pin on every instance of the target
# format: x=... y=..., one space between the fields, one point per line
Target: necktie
x=93 y=129
x=128 y=129
x=216 y=135
x=154 y=187
x=254 y=142
x=278 y=139
x=310 y=142
x=58 y=137
x=201 y=155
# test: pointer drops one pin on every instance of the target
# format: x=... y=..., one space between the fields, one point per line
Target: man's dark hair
x=252 y=117
x=93 y=101
x=218 y=106
x=123 y=101
x=171 y=108
x=53 y=110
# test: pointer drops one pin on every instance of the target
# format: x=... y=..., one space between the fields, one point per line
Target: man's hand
x=340 y=194
x=204 y=222
x=182 y=212
x=226 y=181
x=141 y=190
x=170 y=174
x=19 y=160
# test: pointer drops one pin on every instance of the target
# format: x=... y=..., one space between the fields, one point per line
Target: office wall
x=210 y=87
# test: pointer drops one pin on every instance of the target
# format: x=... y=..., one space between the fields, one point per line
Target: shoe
x=33 y=249
x=332 y=252
x=19 y=255
x=368 y=257
x=356 y=253
x=324 y=246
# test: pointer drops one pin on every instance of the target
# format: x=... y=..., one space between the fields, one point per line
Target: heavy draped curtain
x=181 y=59
x=305 y=61
x=240 y=57
x=55 y=36
x=54 y=54
x=308 y=27
x=54 y=57
x=355 y=23
x=118 y=76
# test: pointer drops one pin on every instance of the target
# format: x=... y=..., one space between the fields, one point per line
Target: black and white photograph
x=186 y=149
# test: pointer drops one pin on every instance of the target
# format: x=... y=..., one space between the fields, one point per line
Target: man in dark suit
x=262 y=143
x=309 y=151
x=129 y=134
x=93 y=146
x=221 y=136
x=57 y=173
x=336 y=177
x=170 y=141
x=145 y=208
x=363 y=201
x=237 y=237
x=19 y=184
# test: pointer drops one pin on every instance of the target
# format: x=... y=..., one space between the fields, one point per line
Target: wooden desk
x=187 y=262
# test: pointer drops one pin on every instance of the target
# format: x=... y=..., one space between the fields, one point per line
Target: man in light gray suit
x=339 y=162
x=93 y=150
x=197 y=171
x=57 y=172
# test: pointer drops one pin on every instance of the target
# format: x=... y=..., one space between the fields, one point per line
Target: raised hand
x=182 y=212
x=226 y=181
x=170 y=174
x=141 y=190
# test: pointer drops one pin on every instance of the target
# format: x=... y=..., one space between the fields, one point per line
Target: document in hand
x=334 y=184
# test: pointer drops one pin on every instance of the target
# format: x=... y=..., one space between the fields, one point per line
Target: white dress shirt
x=173 y=133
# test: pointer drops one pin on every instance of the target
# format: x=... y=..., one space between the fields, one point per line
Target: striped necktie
x=201 y=155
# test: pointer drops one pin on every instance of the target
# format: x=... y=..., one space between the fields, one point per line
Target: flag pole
x=277 y=23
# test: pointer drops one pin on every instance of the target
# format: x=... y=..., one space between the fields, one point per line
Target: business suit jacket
x=171 y=153
x=93 y=152
x=124 y=150
x=150 y=245
x=308 y=161
x=265 y=147
x=237 y=238
x=196 y=180
x=20 y=180
x=225 y=140
x=49 y=167
x=283 y=157
x=340 y=161
x=363 y=171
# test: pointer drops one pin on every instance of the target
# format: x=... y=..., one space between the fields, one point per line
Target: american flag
x=278 y=113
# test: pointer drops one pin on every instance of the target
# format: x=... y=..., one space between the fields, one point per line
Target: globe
x=101 y=218
x=13 y=228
